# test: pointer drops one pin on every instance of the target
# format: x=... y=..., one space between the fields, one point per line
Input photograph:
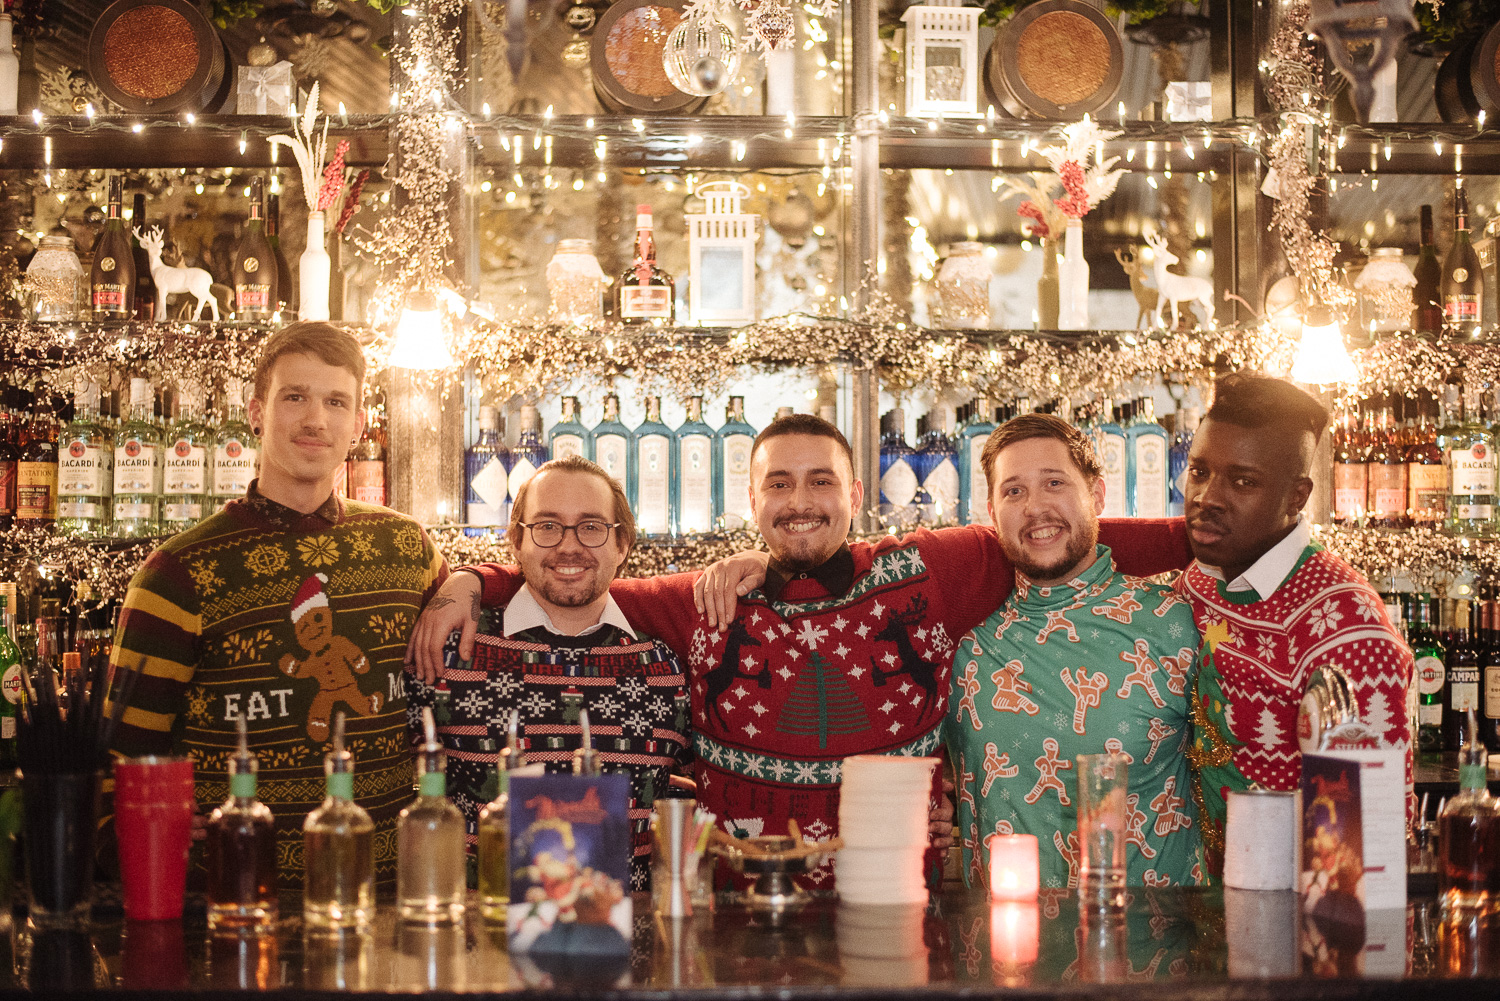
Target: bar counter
x=1170 y=943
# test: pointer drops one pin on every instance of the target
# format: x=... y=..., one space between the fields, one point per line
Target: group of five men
x=1015 y=649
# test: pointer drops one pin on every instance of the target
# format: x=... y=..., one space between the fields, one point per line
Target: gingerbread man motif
x=966 y=786
x=976 y=863
x=1008 y=617
x=332 y=660
x=969 y=685
x=1086 y=689
x=1008 y=688
x=1057 y=622
x=1069 y=851
x=1004 y=827
x=996 y=765
x=1145 y=667
x=1148 y=972
x=970 y=939
x=1168 y=600
x=1048 y=765
x=1159 y=732
x=1114 y=746
x=1121 y=608
x=1177 y=670
x=1166 y=806
x=1135 y=826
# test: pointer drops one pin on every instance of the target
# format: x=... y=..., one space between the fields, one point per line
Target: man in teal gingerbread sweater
x=1080 y=659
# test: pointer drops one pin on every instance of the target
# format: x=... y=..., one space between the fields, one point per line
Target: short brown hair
x=575 y=464
x=1040 y=426
x=802 y=424
x=333 y=345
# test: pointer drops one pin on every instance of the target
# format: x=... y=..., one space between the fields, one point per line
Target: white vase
x=313 y=270
x=1073 y=281
x=10 y=68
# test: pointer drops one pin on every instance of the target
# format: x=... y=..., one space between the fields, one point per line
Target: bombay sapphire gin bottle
x=692 y=473
x=569 y=436
x=732 y=446
x=529 y=453
x=973 y=487
x=898 y=480
x=487 y=472
x=1177 y=459
x=939 y=471
x=1148 y=461
x=650 y=489
x=1113 y=450
x=611 y=444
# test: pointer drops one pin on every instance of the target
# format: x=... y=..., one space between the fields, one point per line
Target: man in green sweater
x=284 y=608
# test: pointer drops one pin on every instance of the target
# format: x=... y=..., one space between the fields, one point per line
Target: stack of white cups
x=883 y=818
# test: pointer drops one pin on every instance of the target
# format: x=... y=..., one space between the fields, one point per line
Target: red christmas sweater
x=1264 y=650
x=796 y=685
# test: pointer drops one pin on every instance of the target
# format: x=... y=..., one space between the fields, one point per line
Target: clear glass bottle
x=575 y=283
x=898 y=480
x=732 y=444
x=529 y=454
x=430 y=843
x=185 y=467
x=235 y=449
x=338 y=840
x=1469 y=832
x=494 y=835
x=1470 y=458
x=56 y=285
x=973 y=486
x=568 y=436
x=650 y=489
x=240 y=850
x=85 y=468
x=138 y=473
x=692 y=473
x=487 y=472
x=610 y=443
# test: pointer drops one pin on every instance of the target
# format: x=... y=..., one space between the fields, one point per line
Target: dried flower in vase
x=1085 y=184
x=333 y=178
x=309 y=149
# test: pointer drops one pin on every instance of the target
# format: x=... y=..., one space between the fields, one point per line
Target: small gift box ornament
x=721 y=257
x=1190 y=101
x=942 y=60
x=264 y=90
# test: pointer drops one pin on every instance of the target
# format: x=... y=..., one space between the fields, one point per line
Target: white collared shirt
x=525 y=612
x=1270 y=571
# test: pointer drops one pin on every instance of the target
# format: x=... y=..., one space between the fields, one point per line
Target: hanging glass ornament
x=701 y=56
x=772 y=26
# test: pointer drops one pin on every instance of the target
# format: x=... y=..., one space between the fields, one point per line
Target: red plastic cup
x=154 y=826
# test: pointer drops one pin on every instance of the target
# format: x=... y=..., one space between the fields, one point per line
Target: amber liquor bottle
x=1426 y=476
x=241 y=850
x=255 y=285
x=645 y=293
x=112 y=279
x=1385 y=471
x=1350 y=479
x=1469 y=832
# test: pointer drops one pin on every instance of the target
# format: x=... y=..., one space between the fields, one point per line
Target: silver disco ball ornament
x=701 y=56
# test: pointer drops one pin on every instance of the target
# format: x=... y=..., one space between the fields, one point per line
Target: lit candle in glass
x=1014 y=869
x=1014 y=934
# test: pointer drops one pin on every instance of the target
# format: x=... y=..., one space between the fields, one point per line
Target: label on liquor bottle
x=106 y=263
x=1474 y=512
x=1350 y=490
x=1492 y=692
x=1427 y=491
x=186 y=468
x=252 y=297
x=520 y=473
x=1150 y=476
x=492 y=486
x=737 y=480
x=1112 y=458
x=942 y=486
x=109 y=298
x=979 y=508
x=566 y=444
x=1387 y=489
x=82 y=467
x=645 y=301
x=1463 y=688
x=367 y=480
x=7 y=727
x=79 y=510
x=1430 y=714
x=653 y=495
x=1461 y=308
x=611 y=452
x=234 y=468
x=10 y=685
x=36 y=491
x=135 y=467
x=133 y=511
x=1473 y=471
x=8 y=487
x=1430 y=674
x=898 y=484
x=695 y=487
x=182 y=513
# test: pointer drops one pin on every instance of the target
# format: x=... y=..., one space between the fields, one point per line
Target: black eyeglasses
x=550 y=534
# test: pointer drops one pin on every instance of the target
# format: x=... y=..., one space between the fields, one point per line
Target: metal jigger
x=672 y=834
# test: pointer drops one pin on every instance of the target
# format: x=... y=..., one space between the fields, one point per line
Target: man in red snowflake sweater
x=845 y=649
x=1271 y=604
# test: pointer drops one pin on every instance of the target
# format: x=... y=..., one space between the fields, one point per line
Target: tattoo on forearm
x=440 y=601
x=474 y=606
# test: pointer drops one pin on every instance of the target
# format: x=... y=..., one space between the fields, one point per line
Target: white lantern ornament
x=942 y=60
x=721 y=257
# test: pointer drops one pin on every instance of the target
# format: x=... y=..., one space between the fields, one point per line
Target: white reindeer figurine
x=1177 y=288
x=170 y=280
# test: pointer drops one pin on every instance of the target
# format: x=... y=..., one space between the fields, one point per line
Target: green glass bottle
x=1432 y=675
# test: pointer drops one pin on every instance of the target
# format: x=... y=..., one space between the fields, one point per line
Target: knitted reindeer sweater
x=797 y=684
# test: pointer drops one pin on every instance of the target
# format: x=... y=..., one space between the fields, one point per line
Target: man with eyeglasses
x=558 y=647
